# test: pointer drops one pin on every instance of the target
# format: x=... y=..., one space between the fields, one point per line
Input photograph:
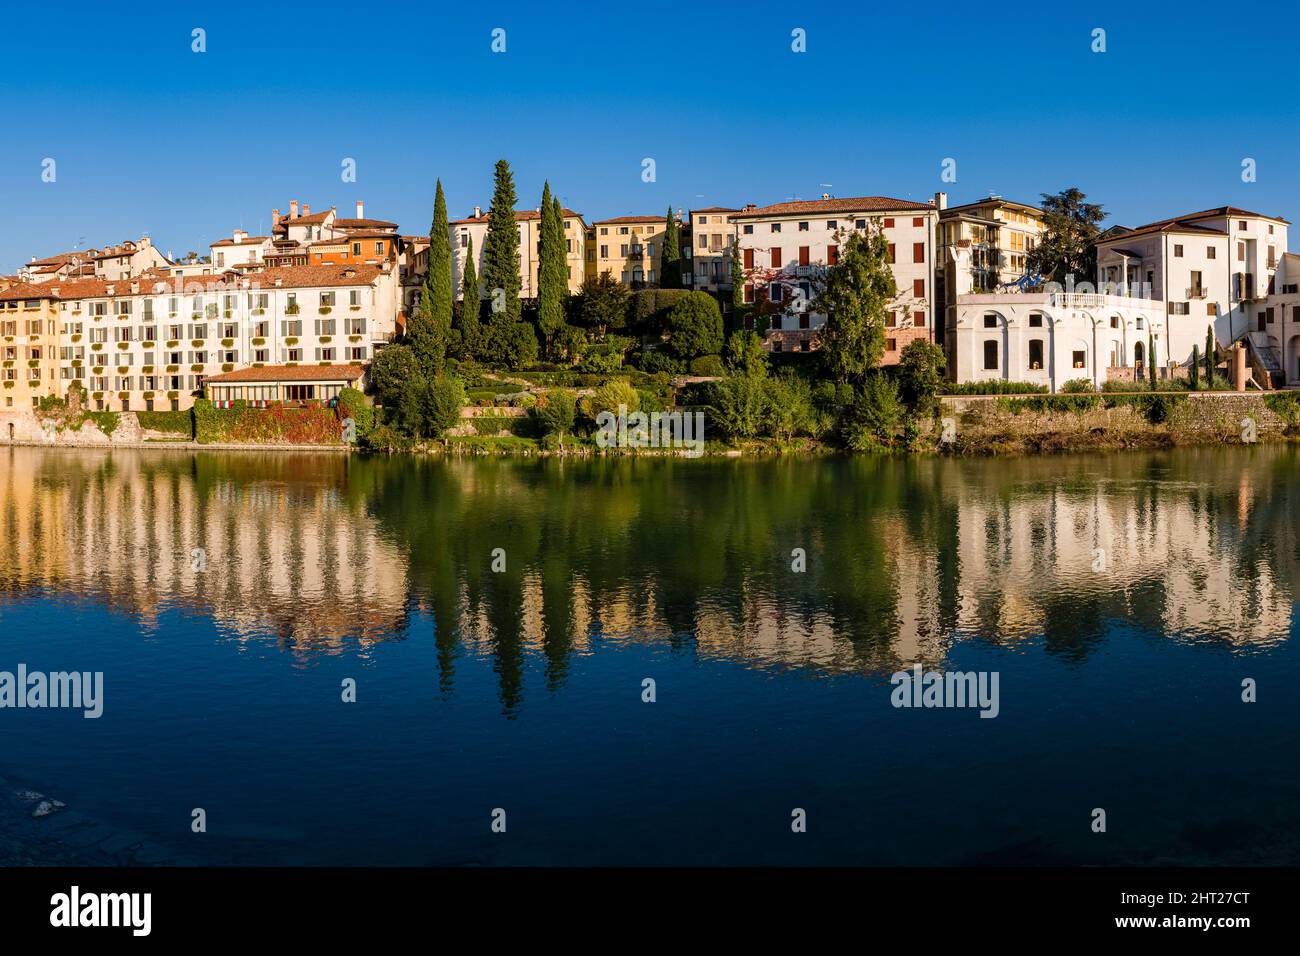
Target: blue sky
x=151 y=137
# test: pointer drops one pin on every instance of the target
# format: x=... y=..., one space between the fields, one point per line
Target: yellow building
x=630 y=248
x=29 y=345
x=474 y=229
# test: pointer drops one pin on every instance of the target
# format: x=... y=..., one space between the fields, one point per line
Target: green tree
x=875 y=414
x=695 y=326
x=470 y=305
x=392 y=372
x=740 y=404
x=1209 y=355
x=920 y=374
x=501 y=247
x=557 y=414
x=1196 y=367
x=854 y=295
x=789 y=410
x=430 y=323
x=552 y=272
x=608 y=397
x=670 y=260
x=1151 y=359
x=745 y=353
x=602 y=304
x=737 y=277
x=1068 y=244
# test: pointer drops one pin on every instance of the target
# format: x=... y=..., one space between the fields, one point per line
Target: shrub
x=920 y=374
x=556 y=415
x=695 y=326
x=745 y=353
x=708 y=365
x=1078 y=386
x=173 y=423
x=352 y=404
x=994 y=387
x=653 y=361
x=790 y=410
x=740 y=405
x=610 y=396
x=874 y=416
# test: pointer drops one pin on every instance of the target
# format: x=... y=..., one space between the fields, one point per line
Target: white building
x=1215 y=267
x=153 y=342
x=1051 y=338
x=708 y=263
x=786 y=246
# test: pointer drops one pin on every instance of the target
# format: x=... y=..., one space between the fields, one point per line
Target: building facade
x=786 y=247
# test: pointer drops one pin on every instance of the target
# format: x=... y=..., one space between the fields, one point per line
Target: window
x=990 y=320
x=891 y=345
x=749 y=230
x=749 y=258
x=1036 y=320
x=803 y=255
x=860 y=224
x=776 y=227
x=1141 y=323
x=1035 y=354
x=1178 y=251
x=776 y=257
x=1210 y=252
x=918 y=319
x=891 y=253
x=832 y=224
x=832 y=255
x=918 y=221
x=803 y=227
x=1080 y=359
x=918 y=252
x=990 y=355
x=889 y=224
x=1114 y=321
x=918 y=288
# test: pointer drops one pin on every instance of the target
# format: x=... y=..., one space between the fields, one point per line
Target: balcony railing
x=1195 y=292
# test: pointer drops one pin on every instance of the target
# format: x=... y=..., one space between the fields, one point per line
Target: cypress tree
x=552 y=270
x=469 y=308
x=670 y=261
x=1209 y=356
x=737 y=277
x=501 y=249
x=430 y=322
x=1151 y=359
x=1196 y=367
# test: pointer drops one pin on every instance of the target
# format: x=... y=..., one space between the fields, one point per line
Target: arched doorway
x=1139 y=355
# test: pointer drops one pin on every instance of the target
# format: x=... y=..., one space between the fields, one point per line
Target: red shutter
x=749 y=290
x=918 y=221
x=891 y=253
x=749 y=258
x=833 y=257
x=918 y=252
x=803 y=255
x=889 y=224
x=776 y=257
x=918 y=288
x=918 y=319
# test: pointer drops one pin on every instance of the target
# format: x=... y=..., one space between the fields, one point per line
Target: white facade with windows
x=1051 y=338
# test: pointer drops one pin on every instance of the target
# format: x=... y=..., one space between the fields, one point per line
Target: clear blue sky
x=151 y=137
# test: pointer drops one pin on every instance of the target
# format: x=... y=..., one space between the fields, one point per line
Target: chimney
x=306 y=210
x=239 y=236
x=293 y=209
x=275 y=218
x=144 y=242
x=478 y=214
x=826 y=195
x=940 y=200
x=360 y=210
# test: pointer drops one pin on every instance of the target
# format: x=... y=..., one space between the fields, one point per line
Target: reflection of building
x=284 y=555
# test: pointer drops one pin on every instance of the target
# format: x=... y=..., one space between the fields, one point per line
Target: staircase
x=1265 y=360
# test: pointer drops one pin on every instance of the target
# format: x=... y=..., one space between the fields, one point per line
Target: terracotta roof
x=26 y=290
x=620 y=219
x=521 y=215
x=314 y=219
x=851 y=204
x=290 y=277
x=993 y=200
x=1187 y=223
x=291 y=373
x=715 y=209
x=246 y=241
x=364 y=224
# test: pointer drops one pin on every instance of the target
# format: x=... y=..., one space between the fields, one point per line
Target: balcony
x=1196 y=292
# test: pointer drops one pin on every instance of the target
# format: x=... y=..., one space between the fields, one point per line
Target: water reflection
x=322 y=554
